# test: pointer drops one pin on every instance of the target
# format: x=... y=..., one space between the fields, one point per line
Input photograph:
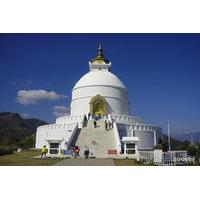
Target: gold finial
x=100 y=52
x=100 y=57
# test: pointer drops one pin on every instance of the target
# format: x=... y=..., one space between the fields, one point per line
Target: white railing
x=57 y=126
x=70 y=139
x=127 y=119
x=117 y=138
x=146 y=156
x=138 y=127
x=68 y=119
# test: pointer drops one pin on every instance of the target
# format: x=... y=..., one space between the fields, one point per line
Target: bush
x=192 y=151
x=6 y=151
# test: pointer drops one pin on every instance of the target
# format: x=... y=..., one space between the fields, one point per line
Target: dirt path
x=83 y=162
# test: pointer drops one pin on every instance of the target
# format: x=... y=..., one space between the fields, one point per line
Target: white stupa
x=100 y=94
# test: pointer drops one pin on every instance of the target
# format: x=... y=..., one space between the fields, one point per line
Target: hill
x=17 y=131
x=175 y=144
x=194 y=137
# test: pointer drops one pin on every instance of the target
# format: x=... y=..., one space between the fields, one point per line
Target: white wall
x=54 y=132
x=116 y=98
x=144 y=132
x=146 y=140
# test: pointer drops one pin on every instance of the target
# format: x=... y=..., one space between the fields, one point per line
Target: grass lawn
x=128 y=162
x=24 y=158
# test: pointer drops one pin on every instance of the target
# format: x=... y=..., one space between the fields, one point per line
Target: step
x=104 y=139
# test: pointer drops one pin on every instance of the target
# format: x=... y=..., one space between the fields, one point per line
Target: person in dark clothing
x=106 y=125
x=109 y=125
x=86 y=152
x=95 y=123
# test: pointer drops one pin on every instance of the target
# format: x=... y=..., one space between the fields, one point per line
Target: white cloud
x=61 y=111
x=27 y=97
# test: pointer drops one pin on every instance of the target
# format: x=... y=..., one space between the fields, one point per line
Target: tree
x=185 y=145
x=192 y=150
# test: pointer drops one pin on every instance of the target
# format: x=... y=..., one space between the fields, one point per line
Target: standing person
x=106 y=125
x=43 y=151
x=85 y=118
x=112 y=125
x=95 y=123
x=86 y=152
x=88 y=116
x=109 y=124
x=76 y=151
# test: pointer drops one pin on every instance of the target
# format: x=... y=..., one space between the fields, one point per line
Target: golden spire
x=100 y=57
x=100 y=52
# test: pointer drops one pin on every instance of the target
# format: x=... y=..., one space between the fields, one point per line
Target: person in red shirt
x=76 y=151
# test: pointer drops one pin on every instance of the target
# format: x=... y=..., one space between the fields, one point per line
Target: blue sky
x=161 y=72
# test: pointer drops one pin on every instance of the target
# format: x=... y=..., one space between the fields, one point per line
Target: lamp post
x=168 y=132
x=33 y=141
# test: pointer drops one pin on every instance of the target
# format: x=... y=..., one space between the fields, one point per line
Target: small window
x=130 y=151
x=54 y=145
x=130 y=146
x=53 y=151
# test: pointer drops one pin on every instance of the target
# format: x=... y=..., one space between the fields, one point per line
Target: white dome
x=100 y=78
x=100 y=83
x=105 y=84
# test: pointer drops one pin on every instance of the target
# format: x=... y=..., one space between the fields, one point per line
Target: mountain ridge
x=192 y=137
x=14 y=129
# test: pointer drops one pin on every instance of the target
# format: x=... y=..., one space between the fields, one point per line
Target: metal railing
x=117 y=138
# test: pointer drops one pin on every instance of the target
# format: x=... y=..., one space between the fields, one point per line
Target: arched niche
x=98 y=106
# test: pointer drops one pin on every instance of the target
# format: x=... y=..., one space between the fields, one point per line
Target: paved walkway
x=89 y=162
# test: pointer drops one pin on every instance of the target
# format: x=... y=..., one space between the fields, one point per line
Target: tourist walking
x=95 y=123
x=86 y=152
x=106 y=125
x=43 y=151
x=109 y=124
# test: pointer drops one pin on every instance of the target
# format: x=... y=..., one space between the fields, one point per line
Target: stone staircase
x=97 y=139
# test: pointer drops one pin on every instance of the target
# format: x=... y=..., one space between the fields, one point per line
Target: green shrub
x=6 y=151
